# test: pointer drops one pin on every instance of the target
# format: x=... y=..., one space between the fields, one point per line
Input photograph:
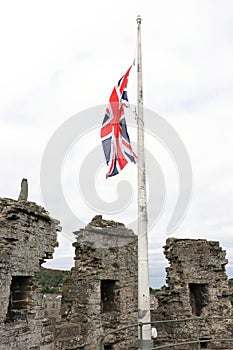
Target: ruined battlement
x=100 y=293
x=104 y=234
x=197 y=286
x=28 y=236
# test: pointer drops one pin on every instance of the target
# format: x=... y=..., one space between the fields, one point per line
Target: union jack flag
x=115 y=139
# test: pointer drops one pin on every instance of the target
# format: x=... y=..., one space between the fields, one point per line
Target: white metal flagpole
x=144 y=341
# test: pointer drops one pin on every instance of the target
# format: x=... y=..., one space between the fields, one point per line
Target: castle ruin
x=28 y=236
x=100 y=293
x=197 y=289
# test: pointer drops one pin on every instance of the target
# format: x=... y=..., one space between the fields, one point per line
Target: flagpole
x=143 y=270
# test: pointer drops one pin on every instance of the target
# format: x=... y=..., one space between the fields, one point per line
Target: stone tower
x=101 y=293
x=27 y=236
x=197 y=288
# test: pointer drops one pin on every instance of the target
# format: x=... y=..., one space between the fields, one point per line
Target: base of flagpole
x=144 y=344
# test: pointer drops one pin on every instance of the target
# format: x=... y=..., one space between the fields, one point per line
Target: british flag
x=115 y=139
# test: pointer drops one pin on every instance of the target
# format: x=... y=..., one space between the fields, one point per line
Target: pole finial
x=139 y=19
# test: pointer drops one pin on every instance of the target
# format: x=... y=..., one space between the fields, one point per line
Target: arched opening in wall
x=20 y=300
x=198 y=297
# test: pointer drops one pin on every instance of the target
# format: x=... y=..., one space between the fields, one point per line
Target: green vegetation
x=154 y=291
x=51 y=281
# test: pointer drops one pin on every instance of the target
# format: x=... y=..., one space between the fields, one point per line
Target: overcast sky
x=59 y=58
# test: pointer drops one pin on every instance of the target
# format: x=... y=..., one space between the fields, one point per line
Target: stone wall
x=101 y=293
x=197 y=287
x=52 y=305
x=27 y=237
